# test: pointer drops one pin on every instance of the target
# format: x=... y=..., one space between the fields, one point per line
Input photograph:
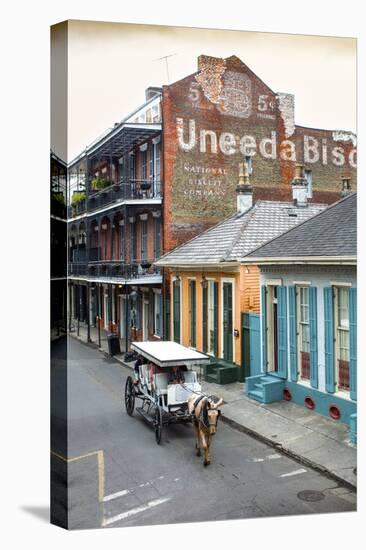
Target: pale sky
x=111 y=65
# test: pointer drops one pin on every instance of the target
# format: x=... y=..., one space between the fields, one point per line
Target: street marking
x=134 y=511
x=268 y=457
x=294 y=473
x=125 y=492
x=100 y=459
x=116 y=495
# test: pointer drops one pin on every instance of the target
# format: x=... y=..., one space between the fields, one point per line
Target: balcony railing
x=123 y=190
x=76 y=209
x=133 y=189
x=114 y=269
x=77 y=268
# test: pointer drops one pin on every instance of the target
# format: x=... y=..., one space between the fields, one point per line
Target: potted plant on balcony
x=98 y=183
x=58 y=203
x=77 y=198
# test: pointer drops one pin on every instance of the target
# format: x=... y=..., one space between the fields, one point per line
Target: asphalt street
x=118 y=476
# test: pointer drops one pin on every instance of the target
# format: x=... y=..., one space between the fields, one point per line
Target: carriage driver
x=176 y=376
x=139 y=361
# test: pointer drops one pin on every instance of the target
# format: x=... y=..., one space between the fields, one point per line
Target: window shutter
x=313 y=320
x=176 y=317
x=282 y=330
x=192 y=285
x=204 y=319
x=329 y=340
x=166 y=304
x=216 y=318
x=293 y=332
x=264 y=326
x=353 y=341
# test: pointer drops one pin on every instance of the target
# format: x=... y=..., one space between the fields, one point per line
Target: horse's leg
x=197 y=433
x=204 y=439
x=207 y=454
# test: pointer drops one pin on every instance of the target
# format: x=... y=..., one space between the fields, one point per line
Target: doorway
x=272 y=332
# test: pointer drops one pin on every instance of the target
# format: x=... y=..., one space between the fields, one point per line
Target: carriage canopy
x=169 y=354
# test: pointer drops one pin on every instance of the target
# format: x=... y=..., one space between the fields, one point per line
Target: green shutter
x=282 y=331
x=176 y=311
x=293 y=332
x=167 y=317
x=216 y=319
x=204 y=319
x=228 y=321
x=329 y=340
x=161 y=328
x=313 y=321
x=264 y=326
x=353 y=341
x=192 y=296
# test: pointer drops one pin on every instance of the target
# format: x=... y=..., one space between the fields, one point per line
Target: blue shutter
x=313 y=319
x=264 y=327
x=353 y=342
x=254 y=344
x=329 y=340
x=282 y=331
x=293 y=332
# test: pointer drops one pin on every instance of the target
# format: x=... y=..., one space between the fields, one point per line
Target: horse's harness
x=203 y=416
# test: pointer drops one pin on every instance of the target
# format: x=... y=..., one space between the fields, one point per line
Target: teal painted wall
x=322 y=401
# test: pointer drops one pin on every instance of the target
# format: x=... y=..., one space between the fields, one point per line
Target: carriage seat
x=161 y=383
x=190 y=377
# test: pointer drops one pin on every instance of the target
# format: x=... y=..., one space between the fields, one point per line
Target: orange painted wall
x=246 y=299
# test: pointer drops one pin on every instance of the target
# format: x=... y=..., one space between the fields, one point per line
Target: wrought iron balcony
x=77 y=268
x=132 y=189
x=120 y=270
x=76 y=209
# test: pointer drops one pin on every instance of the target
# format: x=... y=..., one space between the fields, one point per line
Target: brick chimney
x=346 y=186
x=300 y=187
x=244 y=191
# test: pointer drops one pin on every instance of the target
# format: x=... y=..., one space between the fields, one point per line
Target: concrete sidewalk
x=312 y=439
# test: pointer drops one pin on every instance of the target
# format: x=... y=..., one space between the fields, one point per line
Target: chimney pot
x=244 y=191
x=299 y=171
x=346 y=185
x=300 y=187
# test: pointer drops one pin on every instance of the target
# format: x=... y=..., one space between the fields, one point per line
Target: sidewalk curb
x=252 y=433
x=279 y=447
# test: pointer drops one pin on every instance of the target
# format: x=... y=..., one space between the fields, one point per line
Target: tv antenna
x=165 y=57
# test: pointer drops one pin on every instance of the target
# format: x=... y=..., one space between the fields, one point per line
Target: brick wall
x=217 y=116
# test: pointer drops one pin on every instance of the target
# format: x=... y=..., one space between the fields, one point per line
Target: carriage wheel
x=158 y=424
x=129 y=396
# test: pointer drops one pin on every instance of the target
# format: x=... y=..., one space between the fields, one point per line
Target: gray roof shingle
x=332 y=233
x=237 y=236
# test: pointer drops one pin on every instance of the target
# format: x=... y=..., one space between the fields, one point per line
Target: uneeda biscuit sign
x=224 y=114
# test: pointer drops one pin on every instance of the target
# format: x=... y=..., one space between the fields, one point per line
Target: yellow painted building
x=209 y=315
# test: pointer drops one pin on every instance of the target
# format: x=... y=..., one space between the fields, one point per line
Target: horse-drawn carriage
x=163 y=382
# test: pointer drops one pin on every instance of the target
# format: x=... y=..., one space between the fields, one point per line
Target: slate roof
x=331 y=233
x=236 y=236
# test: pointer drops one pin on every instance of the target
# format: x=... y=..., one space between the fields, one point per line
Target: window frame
x=300 y=329
x=340 y=331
